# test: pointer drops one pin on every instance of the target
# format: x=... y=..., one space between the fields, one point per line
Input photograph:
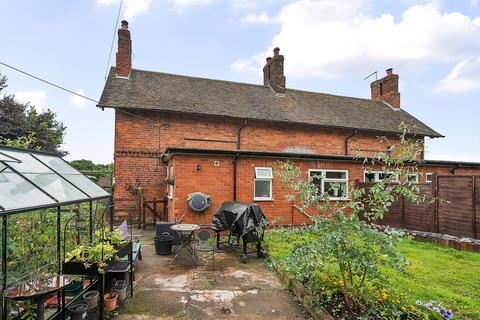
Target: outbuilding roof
x=147 y=90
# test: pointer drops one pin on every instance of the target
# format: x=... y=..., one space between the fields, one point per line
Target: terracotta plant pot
x=111 y=301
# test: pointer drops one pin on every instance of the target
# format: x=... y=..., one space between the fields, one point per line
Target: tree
x=21 y=120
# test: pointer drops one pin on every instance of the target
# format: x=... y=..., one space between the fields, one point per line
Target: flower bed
x=421 y=281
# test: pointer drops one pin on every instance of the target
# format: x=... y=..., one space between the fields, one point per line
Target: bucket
x=163 y=244
x=121 y=288
x=91 y=298
x=78 y=311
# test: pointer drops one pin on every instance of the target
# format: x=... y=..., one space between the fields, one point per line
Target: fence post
x=474 y=218
x=436 y=221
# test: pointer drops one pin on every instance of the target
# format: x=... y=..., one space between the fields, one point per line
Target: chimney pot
x=389 y=71
x=276 y=51
x=269 y=59
x=124 y=24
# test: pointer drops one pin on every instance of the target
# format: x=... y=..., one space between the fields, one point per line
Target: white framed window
x=262 y=187
x=377 y=176
x=429 y=177
x=170 y=182
x=332 y=182
x=412 y=177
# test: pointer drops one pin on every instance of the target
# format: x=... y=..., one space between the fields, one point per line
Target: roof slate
x=175 y=93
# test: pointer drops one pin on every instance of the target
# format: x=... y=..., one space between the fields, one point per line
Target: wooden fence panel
x=456 y=209
x=421 y=216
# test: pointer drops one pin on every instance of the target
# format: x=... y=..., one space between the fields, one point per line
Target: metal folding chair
x=203 y=245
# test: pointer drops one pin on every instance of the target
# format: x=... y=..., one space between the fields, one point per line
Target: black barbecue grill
x=242 y=221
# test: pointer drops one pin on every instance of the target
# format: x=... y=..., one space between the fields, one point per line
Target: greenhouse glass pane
x=86 y=185
x=57 y=187
x=16 y=192
x=57 y=164
x=6 y=158
x=28 y=163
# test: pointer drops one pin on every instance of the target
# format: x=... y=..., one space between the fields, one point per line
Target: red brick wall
x=217 y=182
x=142 y=136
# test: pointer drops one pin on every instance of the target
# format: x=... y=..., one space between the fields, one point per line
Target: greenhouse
x=48 y=208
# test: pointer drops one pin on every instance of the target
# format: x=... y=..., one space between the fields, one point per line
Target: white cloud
x=34 y=98
x=78 y=101
x=131 y=8
x=326 y=38
x=192 y=3
x=465 y=76
x=258 y=18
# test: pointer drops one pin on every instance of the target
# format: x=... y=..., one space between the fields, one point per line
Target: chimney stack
x=386 y=89
x=124 y=52
x=273 y=72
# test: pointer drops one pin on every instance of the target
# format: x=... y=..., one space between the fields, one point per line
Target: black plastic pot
x=163 y=244
x=78 y=311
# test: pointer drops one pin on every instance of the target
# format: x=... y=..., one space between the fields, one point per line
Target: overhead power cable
x=113 y=38
x=70 y=91
x=48 y=82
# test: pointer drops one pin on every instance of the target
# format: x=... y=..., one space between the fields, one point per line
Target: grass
x=445 y=275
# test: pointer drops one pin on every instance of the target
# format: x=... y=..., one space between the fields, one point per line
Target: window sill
x=263 y=199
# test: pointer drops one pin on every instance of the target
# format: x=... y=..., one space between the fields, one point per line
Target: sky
x=329 y=46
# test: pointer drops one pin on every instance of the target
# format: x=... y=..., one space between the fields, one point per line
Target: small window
x=429 y=177
x=377 y=176
x=332 y=182
x=263 y=183
x=412 y=177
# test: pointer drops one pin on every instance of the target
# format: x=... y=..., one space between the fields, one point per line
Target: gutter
x=305 y=156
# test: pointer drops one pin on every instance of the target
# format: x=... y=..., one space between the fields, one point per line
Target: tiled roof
x=183 y=94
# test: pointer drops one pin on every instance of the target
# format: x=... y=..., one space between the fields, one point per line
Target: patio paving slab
x=233 y=291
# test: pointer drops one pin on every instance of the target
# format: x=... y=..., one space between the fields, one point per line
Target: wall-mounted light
x=199 y=167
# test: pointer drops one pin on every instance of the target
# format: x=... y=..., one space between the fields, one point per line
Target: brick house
x=224 y=138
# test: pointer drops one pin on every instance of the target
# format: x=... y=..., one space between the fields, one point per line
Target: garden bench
x=136 y=246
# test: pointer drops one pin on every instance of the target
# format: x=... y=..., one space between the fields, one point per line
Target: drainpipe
x=346 y=141
x=239 y=131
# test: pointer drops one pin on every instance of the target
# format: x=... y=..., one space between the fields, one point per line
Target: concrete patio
x=234 y=290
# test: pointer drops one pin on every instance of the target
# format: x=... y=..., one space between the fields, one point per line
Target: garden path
x=233 y=291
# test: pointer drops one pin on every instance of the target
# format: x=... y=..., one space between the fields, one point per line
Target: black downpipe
x=346 y=141
x=4 y=264
x=235 y=160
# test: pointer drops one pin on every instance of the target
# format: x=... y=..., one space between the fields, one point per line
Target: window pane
x=413 y=178
x=429 y=177
x=86 y=185
x=57 y=164
x=265 y=173
x=28 y=163
x=317 y=179
x=335 y=175
x=57 y=187
x=369 y=177
x=336 y=189
x=262 y=189
x=16 y=192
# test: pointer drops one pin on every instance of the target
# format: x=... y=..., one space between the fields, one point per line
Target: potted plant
x=111 y=300
x=89 y=259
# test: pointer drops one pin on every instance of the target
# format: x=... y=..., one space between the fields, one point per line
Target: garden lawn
x=445 y=275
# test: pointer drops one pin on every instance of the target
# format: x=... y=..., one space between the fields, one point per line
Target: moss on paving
x=445 y=275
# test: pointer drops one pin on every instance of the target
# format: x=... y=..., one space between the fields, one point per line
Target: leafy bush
x=341 y=265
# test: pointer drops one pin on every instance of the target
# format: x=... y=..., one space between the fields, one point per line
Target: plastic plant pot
x=78 y=311
x=121 y=288
x=91 y=298
x=111 y=301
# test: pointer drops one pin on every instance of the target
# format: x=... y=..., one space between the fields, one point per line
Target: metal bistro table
x=38 y=289
x=185 y=231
